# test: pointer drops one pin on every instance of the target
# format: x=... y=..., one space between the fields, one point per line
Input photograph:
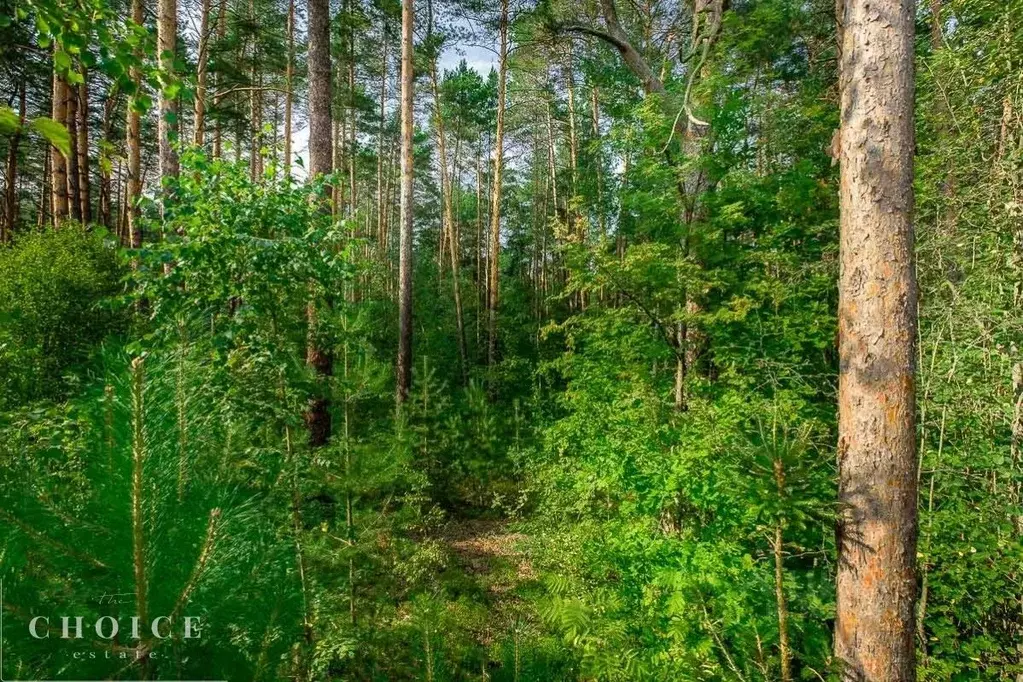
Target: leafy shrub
x=55 y=290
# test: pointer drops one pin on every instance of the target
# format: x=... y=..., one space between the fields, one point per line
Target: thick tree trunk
x=11 y=198
x=166 y=42
x=320 y=163
x=495 y=208
x=404 y=365
x=58 y=162
x=877 y=317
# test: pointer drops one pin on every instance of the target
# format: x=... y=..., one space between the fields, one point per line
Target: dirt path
x=488 y=551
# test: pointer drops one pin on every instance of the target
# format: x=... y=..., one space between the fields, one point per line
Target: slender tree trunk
x=11 y=219
x=877 y=317
x=289 y=78
x=255 y=101
x=202 y=64
x=598 y=161
x=45 y=190
x=105 y=162
x=573 y=141
x=495 y=209
x=221 y=35
x=166 y=42
x=404 y=369
x=784 y=649
x=353 y=126
x=84 y=183
x=380 y=139
x=320 y=163
x=74 y=184
x=138 y=459
x=58 y=162
x=134 y=141
x=449 y=224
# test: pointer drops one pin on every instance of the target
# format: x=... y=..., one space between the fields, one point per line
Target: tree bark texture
x=877 y=318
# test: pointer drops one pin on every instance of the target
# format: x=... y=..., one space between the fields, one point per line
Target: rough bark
x=320 y=163
x=166 y=41
x=494 y=297
x=877 y=317
x=58 y=162
x=404 y=365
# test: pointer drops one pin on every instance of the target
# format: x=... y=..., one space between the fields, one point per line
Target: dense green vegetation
x=641 y=485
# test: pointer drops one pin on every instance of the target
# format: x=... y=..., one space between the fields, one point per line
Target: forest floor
x=488 y=551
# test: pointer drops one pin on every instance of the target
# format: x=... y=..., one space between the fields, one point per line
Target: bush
x=55 y=287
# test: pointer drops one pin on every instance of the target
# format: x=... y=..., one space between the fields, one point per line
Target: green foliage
x=646 y=470
x=55 y=306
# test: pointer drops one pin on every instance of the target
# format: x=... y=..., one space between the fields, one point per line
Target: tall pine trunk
x=166 y=41
x=84 y=182
x=448 y=224
x=495 y=210
x=201 y=67
x=381 y=219
x=58 y=162
x=74 y=186
x=320 y=163
x=289 y=79
x=133 y=141
x=877 y=318
x=218 y=133
x=404 y=365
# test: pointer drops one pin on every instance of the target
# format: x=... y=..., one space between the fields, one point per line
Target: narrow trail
x=489 y=552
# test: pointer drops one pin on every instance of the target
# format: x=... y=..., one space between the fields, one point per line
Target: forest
x=511 y=340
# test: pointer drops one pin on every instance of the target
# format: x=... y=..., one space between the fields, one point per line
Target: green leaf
x=9 y=122
x=55 y=133
x=61 y=60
